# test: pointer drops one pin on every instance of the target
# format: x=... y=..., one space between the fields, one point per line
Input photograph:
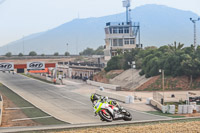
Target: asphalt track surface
x=60 y=102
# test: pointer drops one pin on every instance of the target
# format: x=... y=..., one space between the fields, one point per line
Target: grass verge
x=112 y=126
x=30 y=113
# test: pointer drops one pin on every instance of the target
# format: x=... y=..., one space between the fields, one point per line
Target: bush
x=114 y=63
x=20 y=55
x=56 y=54
x=32 y=53
x=9 y=54
x=67 y=53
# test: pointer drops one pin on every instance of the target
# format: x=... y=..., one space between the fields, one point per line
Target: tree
x=56 y=54
x=114 y=63
x=88 y=51
x=99 y=50
x=91 y=51
x=32 y=53
x=20 y=55
x=42 y=54
x=9 y=54
x=119 y=51
x=67 y=53
x=174 y=59
x=174 y=47
x=191 y=67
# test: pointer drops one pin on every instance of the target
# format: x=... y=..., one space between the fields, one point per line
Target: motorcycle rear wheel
x=105 y=117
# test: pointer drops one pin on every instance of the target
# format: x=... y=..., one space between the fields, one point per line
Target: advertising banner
x=35 y=65
x=6 y=66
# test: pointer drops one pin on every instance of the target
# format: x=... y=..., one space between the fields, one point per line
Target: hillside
x=129 y=79
x=160 y=25
x=171 y=84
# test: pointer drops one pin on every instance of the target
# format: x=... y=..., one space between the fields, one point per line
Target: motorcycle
x=108 y=112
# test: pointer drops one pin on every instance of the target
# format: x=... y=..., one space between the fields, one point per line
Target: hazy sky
x=24 y=17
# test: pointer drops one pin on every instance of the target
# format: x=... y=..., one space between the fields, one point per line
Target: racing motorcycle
x=108 y=112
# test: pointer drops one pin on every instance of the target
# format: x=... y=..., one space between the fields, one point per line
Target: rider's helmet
x=104 y=99
x=101 y=88
x=114 y=103
x=94 y=97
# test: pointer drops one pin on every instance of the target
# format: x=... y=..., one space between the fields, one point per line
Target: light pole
x=194 y=22
x=23 y=45
x=67 y=46
x=133 y=66
x=163 y=82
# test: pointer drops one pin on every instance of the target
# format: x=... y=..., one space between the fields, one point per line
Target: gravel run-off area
x=181 y=127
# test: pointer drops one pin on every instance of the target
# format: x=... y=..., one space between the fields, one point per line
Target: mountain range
x=160 y=25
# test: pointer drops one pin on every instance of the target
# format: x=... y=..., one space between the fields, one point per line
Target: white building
x=120 y=36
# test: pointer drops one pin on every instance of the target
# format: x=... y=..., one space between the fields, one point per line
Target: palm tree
x=174 y=48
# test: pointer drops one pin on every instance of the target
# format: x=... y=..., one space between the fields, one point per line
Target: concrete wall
x=156 y=104
x=157 y=96
x=108 y=86
x=1 y=108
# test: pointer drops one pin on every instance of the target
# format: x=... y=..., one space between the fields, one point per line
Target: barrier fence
x=1 y=108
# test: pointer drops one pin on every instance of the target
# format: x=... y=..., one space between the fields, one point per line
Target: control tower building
x=120 y=35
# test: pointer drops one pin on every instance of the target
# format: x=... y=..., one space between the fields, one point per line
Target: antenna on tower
x=127 y=4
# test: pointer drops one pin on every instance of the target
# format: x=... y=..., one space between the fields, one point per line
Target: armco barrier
x=43 y=78
x=1 y=109
x=37 y=76
x=108 y=86
x=122 y=98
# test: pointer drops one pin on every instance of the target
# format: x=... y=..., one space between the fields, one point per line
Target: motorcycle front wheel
x=127 y=116
x=105 y=115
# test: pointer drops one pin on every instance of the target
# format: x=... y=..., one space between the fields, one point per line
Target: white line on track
x=23 y=119
x=55 y=92
x=19 y=108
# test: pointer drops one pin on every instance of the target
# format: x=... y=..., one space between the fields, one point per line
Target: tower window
x=120 y=42
x=120 y=30
x=126 y=41
x=131 y=41
x=115 y=30
x=126 y=30
x=114 y=42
